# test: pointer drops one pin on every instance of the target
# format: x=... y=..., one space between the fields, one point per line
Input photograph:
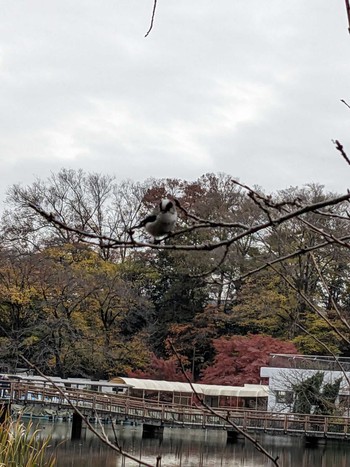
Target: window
x=284 y=397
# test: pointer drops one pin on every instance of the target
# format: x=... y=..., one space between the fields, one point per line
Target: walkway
x=124 y=408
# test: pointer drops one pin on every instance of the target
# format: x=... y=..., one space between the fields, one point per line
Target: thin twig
x=214 y=268
x=325 y=346
x=344 y=102
x=312 y=305
x=347 y=6
x=209 y=246
x=340 y=148
x=104 y=438
x=294 y=254
x=246 y=435
x=152 y=18
x=335 y=306
x=207 y=222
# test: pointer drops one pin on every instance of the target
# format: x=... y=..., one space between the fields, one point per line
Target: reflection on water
x=188 y=448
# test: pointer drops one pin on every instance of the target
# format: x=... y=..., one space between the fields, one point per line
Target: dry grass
x=20 y=447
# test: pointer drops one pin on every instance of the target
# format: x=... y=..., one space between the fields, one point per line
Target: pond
x=182 y=447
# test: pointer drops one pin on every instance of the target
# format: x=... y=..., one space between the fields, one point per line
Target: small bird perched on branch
x=162 y=220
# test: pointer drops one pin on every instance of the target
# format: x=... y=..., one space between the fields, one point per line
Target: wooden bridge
x=122 y=408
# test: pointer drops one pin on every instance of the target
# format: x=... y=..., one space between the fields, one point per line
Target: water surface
x=188 y=448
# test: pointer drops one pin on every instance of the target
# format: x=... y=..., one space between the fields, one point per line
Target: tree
x=161 y=369
x=227 y=233
x=326 y=404
x=238 y=359
x=263 y=306
x=194 y=340
x=312 y=396
x=71 y=313
x=19 y=298
x=307 y=393
x=176 y=296
x=90 y=202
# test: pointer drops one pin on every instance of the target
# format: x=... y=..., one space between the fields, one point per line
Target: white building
x=285 y=371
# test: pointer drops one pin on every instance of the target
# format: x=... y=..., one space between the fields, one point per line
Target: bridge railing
x=126 y=407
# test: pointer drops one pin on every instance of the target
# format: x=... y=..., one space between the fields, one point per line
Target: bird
x=162 y=220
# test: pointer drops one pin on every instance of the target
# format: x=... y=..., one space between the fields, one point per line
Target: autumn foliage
x=81 y=309
x=161 y=369
x=238 y=359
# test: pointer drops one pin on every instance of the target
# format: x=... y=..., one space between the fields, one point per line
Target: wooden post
x=233 y=436
x=76 y=426
x=311 y=441
x=306 y=423
x=152 y=431
x=326 y=425
x=12 y=391
x=245 y=421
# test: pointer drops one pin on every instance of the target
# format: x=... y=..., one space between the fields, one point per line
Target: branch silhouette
x=152 y=18
x=265 y=203
x=103 y=437
x=258 y=446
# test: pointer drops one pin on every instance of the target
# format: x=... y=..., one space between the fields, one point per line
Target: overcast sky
x=247 y=87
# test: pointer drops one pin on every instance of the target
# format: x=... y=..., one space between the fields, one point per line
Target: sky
x=251 y=88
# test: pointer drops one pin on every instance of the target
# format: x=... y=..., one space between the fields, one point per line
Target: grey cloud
x=247 y=88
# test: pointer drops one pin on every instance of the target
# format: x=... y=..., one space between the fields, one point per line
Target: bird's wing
x=150 y=218
x=146 y=220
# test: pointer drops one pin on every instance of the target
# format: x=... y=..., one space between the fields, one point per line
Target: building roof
x=312 y=362
x=248 y=390
x=78 y=382
x=159 y=386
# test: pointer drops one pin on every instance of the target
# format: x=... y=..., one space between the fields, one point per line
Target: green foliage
x=307 y=393
x=330 y=391
x=94 y=310
x=176 y=296
x=19 y=446
x=310 y=394
x=83 y=318
x=263 y=306
x=316 y=326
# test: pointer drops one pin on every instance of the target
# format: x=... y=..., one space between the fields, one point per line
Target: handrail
x=157 y=411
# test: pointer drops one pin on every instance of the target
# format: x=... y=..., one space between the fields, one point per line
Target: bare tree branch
x=312 y=305
x=294 y=254
x=329 y=350
x=344 y=102
x=347 y=6
x=214 y=268
x=246 y=435
x=340 y=148
x=103 y=437
x=207 y=223
x=152 y=18
x=323 y=281
x=109 y=242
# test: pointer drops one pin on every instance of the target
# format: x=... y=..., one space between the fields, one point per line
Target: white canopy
x=248 y=390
